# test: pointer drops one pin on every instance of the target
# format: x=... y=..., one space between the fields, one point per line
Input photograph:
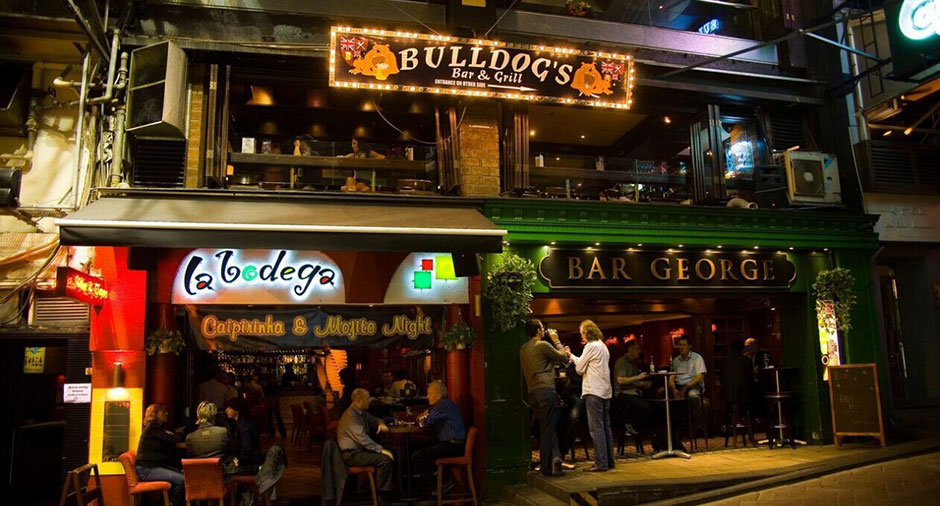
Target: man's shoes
x=556 y=467
x=595 y=469
x=631 y=431
x=565 y=465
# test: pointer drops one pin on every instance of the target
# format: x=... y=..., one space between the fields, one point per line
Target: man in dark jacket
x=247 y=447
x=736 y=379
x=210 y=440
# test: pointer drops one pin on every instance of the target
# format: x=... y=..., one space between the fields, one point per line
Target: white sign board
x=264 y=277
x=76 y=393
x=905 y=218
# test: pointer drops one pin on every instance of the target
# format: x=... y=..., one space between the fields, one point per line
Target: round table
x=669 y=451
x=405 y=431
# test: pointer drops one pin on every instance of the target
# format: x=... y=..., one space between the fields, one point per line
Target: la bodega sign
x=233 y=276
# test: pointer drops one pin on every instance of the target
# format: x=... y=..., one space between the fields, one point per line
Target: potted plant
x=835 y=297
x=164 y=341
x=458 y=337
x=509 y=289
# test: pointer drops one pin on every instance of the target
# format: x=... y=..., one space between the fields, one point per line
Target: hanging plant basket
x=164 y=341
x=459 y=336
x=509 y=289
x=835 y=287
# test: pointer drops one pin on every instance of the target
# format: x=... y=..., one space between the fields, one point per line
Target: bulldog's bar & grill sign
x=374 y=59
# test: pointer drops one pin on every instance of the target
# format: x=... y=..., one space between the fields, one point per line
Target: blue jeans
x=542 y=402
x=177 y=492
x=598 y=415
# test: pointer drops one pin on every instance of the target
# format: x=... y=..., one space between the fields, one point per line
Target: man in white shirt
x=593 y=365
x=691 y=368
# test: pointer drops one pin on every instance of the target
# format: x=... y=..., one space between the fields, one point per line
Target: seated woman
x=247 y=447
x=210 y=440
x=362 y=150
x=155 y=453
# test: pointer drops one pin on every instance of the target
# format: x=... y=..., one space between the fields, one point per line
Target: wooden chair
x=299 y=430
x=368 y=471
x=203 y=479
x=248 y=480
x=135 y=487
x=465 y=460
x=85 y=484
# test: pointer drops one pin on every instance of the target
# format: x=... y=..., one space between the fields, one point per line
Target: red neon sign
x=80 y=286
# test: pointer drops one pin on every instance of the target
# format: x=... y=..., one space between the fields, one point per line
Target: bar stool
x=465 y=460
x=135 y=487
x=697 y=420
x=368 y=471
x=781 y=423
x=248 y=480
x=735 y=418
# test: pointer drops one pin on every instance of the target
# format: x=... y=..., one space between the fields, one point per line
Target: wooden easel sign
x=855 y=400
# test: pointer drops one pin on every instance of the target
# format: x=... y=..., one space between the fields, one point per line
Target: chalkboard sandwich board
x=856 y=402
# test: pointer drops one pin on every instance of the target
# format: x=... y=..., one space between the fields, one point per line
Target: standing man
x=216 y=390
x=358 y=447
x=760 y=360
x=538 y=360
x=448 y=425
x=594 y=366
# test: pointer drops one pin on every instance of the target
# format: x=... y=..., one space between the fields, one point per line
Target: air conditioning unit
x=812 y=178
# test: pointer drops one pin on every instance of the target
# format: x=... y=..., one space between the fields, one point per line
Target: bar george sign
x=578 y=268
x=375 y=59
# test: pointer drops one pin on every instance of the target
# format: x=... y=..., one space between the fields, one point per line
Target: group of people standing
x=539 y=357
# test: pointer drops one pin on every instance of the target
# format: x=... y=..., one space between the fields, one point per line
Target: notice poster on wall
x=34 y=360
x=254 y=329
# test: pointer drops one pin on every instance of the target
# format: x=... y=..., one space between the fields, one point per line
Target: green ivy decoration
x=509 y=289
x=164 y=341
x=458 y=336
x=835 y=285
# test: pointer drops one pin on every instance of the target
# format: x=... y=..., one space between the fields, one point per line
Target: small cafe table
x=778 y=396
x=669 y=451
x=406 y=431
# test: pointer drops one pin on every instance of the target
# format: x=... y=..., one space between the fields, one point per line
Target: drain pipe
x=109 y=89
x=116 y=177
x=80 y=131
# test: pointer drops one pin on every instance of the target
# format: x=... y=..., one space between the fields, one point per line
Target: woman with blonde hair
x=155 y=460
x=593 y=365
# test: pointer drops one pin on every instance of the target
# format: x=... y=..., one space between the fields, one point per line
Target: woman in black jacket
x=155 y=449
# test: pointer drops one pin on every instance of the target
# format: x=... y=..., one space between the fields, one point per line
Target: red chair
x=465 y=460
x=370 y=472
x=299 y=431
x=136 y=487
x=249 y=481
x=329 y=424
x=203 y=480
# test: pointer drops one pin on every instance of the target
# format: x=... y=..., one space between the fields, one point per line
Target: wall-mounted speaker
x=156 y=103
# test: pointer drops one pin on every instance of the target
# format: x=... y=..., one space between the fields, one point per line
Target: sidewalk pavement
x=710 y=476
x=907 y=481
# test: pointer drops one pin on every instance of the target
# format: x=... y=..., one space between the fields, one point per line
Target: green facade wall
x=819 y=241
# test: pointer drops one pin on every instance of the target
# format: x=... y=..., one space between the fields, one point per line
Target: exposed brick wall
x=194 y=158
x=479 y=151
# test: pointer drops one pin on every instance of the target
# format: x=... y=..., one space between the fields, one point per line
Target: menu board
x=116 y=433
x=855 y=402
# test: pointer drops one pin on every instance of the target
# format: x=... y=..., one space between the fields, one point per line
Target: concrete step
x=531 y=496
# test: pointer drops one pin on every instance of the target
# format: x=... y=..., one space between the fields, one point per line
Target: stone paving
x=911 y=481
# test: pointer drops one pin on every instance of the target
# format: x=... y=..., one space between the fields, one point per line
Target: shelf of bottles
x=267 y=363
